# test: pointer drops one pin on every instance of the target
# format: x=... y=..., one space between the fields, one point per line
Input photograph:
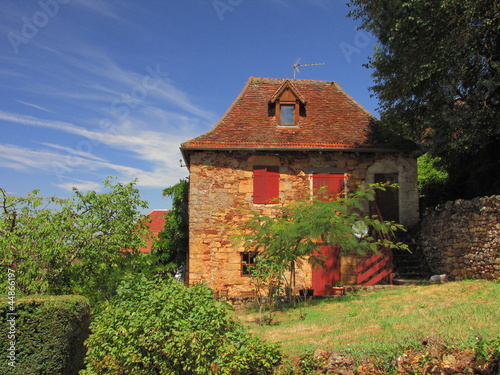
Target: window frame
x=279 y=112
x=244 y=263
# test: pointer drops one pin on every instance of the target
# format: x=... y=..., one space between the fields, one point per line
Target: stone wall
x=462 y=238
x=221 y=185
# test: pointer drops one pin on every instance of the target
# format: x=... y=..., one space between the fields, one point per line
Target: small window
x=247 y=261
x=287 y=113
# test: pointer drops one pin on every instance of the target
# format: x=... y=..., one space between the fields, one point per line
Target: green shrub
x=164 y=327
x=47 y=335
x=432 y=180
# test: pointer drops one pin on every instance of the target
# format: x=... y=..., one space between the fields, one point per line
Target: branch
x=4 y=203
x=6 y=212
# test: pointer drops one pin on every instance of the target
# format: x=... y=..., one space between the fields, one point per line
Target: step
x=405 y=281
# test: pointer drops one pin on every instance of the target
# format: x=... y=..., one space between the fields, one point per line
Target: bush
x=163 y=327
x=47 y=335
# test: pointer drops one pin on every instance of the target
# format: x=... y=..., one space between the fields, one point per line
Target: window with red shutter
x=266 y=181
x=327 y=185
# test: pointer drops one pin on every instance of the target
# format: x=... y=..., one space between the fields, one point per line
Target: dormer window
x=287 y=101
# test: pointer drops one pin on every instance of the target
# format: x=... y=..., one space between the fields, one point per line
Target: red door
x=333 y=185
x=330 y=273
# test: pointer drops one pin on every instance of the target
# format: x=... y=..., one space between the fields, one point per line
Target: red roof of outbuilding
x=155 y=223
x=331 y=119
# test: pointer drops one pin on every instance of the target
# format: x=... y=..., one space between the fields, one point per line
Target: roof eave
x=186 y=150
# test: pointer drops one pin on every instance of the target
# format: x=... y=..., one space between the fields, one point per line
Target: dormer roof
x=287 y=87
x=329 y=120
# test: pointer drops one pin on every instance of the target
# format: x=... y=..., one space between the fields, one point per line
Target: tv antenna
x=297 y=64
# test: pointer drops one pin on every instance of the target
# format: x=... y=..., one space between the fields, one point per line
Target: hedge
x=44 y=335
x=160 y=326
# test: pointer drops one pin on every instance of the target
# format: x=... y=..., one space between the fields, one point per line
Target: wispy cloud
x=100 y=7
x=33 y=121
x=25 y=159
x=159 y=149
x=122 y=83
x=10 y=73
x=80 y=185
x=68 y=150
x=34 y=106
x=99 y=82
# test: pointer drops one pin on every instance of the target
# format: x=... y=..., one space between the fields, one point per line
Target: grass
x=366 y=323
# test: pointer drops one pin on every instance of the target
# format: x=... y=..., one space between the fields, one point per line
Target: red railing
x=379 y=266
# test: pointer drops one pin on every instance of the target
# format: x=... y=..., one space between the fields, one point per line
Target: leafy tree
x=160 y=326
x=74 y=245
x=431 y=181
x=293 y=235
x=437 y=78
x=173 y=240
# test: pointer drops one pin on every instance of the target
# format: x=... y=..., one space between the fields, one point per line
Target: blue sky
x=90 y=88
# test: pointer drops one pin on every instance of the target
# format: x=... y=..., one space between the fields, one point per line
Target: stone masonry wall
x=462 y=238
x=221 y=185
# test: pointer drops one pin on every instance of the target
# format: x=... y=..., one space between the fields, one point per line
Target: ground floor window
x=247 y=261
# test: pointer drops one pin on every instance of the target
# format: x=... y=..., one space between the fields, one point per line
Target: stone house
x=282 y=139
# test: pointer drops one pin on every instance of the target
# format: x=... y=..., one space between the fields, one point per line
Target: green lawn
x=455 y=313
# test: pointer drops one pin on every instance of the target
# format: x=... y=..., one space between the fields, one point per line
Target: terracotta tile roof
x=332 y=120
x=157 y=220
x=155 y=226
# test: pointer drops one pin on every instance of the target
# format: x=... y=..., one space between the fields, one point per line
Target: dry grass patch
x=456 y=312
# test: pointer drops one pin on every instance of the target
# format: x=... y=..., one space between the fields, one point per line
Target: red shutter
x=259 y=184
x=320 y=180
x=333 y=183
x=266 y=184
x=336 y=185
x=272 y=185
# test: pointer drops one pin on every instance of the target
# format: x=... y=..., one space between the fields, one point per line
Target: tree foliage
x=431 y=181
x=437 y=78
x=293 y=235
x=173 y=240
x=160 y=326
x=74 y=245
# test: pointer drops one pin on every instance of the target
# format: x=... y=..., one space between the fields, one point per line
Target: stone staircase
x=410 y=268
